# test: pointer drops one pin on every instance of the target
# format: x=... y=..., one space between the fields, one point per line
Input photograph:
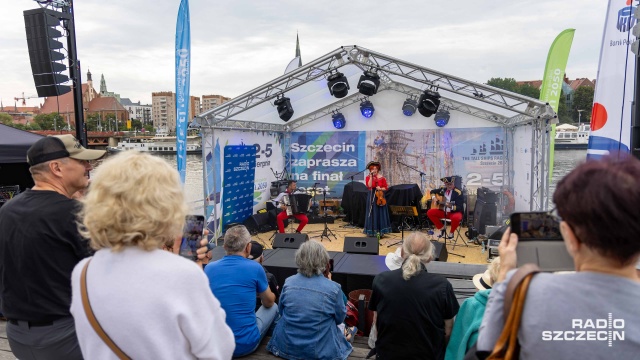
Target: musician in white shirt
x=282 y=199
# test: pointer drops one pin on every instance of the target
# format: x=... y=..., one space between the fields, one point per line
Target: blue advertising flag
x=183 y=67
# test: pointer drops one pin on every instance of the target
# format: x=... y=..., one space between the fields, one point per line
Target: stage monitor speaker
x=441 y=251
x=484 y=214
x=488 y=195
x=361 y=245
x=289 y=241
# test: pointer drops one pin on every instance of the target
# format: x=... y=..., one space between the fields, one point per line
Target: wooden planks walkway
x=360 y=350
x=360 y=347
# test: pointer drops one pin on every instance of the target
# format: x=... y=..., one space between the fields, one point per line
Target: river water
x=564 y=162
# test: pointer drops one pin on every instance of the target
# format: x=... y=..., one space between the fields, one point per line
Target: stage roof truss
x=387 y=68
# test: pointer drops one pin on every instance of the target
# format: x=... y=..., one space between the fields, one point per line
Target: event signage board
x=239 y=170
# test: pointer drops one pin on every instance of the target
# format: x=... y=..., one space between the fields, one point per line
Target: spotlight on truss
x=338 y=85
x=368 y=83
x=366 y=108
x=285 y=110
x=339 y=121
x=428 y=103
x=409 y=107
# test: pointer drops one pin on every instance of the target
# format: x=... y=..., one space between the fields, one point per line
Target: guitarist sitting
x=447 y=203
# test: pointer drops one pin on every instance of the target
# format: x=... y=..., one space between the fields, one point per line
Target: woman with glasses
x=592 y=313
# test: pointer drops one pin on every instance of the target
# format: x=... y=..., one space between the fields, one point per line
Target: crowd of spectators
x=87 y=275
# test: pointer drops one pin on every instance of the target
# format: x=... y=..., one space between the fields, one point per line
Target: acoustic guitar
x=439 y=202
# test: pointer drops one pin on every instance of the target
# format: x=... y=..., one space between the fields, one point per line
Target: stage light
x=367 y=109
x=409 y=107
x=442 y=118
x=338 y=120
x=338 y=85
x=285 y=110
x=428 y=103
x=368 y=83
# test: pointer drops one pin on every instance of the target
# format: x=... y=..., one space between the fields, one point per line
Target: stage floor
x=471 y=254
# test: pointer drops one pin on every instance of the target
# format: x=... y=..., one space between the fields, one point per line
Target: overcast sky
x=241 y=44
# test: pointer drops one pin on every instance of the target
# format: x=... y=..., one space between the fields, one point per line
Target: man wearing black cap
x=450 y=206
x=39 y=247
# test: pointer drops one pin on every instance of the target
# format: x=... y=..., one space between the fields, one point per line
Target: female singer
x=377 y=221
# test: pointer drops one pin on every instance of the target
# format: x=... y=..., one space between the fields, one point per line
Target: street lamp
x=579 y=116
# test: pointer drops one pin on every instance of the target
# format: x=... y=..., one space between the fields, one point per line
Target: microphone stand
x=351 y=224
x=422 y=181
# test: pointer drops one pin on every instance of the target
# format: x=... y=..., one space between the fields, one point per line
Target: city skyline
x=237 y=46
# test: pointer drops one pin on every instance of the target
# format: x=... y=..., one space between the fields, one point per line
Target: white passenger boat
x=573 y=138
x=162 y=144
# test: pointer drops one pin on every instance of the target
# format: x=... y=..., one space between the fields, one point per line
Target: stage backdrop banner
x=240 y=166
x=474 y=154
x=327 y=159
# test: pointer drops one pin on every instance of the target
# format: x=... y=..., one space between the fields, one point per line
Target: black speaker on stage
x=258 y=223
x=289 y=241
x=361 y=245
x=441 y=251
x=484 y=214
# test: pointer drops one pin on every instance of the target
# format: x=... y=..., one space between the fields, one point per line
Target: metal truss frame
x=385 y=66
x=526 y=110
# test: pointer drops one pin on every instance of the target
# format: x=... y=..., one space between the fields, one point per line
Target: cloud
x=239 y=45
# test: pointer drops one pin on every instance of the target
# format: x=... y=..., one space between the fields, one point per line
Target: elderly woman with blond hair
x=152 y=304
x=414 y=309
x=311 y=308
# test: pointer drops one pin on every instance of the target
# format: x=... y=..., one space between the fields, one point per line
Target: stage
x=471 y=254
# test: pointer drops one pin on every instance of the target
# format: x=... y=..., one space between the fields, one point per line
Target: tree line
x=94 y=122
x=582 y=99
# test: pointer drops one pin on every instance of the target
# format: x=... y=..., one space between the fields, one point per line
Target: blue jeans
x=264 y=320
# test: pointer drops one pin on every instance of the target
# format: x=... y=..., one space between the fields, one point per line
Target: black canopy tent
x=14 y=144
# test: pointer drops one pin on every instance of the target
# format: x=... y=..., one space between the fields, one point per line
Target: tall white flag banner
x=613 y=98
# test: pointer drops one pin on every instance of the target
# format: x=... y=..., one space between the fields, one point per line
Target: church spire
x=298 y=50
x=103 y=85
x=89 y=75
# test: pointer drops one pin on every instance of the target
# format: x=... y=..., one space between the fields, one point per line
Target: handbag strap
x=522 y=272
x=507 y=346
x=92 y=318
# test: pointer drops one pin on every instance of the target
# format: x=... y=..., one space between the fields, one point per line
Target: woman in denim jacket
x=311 y=308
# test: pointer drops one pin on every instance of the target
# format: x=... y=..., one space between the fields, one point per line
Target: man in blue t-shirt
x=235 y=280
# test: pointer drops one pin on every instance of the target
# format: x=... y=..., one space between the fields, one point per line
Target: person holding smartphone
x=151 y=303
x=597 y=205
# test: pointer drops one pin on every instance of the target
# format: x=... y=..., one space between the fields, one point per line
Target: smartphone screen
x=535 y=226
x=331 y=265
x=191 y=236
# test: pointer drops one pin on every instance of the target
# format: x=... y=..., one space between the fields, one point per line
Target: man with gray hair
x=235 y=280
x=39 y=247
x=414 y=309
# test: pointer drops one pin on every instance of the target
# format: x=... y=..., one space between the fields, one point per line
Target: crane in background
x=24 y=99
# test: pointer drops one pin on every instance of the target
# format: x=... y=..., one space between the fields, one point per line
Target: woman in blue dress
x=377 y=221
